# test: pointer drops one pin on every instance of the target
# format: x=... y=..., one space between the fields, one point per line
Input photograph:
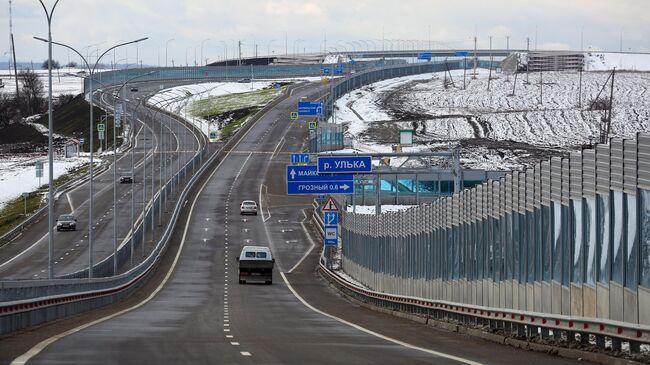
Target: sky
x=280 y=26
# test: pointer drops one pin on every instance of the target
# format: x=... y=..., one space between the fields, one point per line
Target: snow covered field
x=18 y=174
x=493 y=129
x=180 y=99
x=62 y=81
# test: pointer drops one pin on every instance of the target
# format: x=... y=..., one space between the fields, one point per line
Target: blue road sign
x=310 y=108
x=425 y=56
x=305 y=180
x=326 y=71
x=331 y=218
x=338 y=69
x=461 y=54
x=331 y=236
x=297 y=158
x=344 y=164
x=82 y=141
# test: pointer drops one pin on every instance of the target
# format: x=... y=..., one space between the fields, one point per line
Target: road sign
x=82 y=140
x=461 y=54
x=330 y=218
x=305 y=180
x=313 y=125
x=310 y=108
x=39 y=168
x=299 y=158
x=310 y=173
x=326 y=71
x=213 y=136
x=425 y=56
x=101 y=127
x=338 y=70
x=331 y=236
x=101 y=135
x=118 y=119
x=344 y=164
x=330 y=206
x=294 y=115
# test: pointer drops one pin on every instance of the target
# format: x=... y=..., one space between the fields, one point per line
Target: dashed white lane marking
x=372 y=333
x=235 y=343
x=230 y=336
x=246 y=353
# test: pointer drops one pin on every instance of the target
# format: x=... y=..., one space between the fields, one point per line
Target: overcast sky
x=278 y=26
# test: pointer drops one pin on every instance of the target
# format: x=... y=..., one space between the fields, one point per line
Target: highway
x=199 y=314
x=26 y=256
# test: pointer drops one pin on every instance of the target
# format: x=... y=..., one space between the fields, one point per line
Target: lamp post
x=202 y=43
x=91 y=73
x=50 y=154
x=167 y=48
x=268 y=48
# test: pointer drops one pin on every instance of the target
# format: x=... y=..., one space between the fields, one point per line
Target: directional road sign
x=331 y=218
x=425 y=56
x=299 y=158
x=344 y=164
x=310 y=108
x=326 y=71
x=461 y=53
x=305 y=180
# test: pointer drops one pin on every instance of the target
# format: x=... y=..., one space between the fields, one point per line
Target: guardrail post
x=600 y=341
x=616 y=344
x=635 y=347
x=584 y=338
x=545 y=333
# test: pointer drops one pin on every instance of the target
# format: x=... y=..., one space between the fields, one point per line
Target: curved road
x=201 y=315
x=165 y=138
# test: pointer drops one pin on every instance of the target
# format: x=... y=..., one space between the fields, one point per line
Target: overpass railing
x=568 y=237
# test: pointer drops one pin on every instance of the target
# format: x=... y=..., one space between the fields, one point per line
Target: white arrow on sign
x=345 y=186
x=293 y=174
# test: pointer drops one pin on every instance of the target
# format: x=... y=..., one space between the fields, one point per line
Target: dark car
x=134 y=89
x=66 y=222
x=126 y=179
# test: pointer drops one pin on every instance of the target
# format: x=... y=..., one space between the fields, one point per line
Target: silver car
x=66 y=222
x=248 y=207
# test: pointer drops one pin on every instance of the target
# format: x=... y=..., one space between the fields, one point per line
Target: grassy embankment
x=234 y=109
x=13 y=212
x=72 y=120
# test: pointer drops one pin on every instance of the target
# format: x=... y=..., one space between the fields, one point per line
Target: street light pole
x=166 y=49
x=91 y=73
x=50 y=153
x=202 y=43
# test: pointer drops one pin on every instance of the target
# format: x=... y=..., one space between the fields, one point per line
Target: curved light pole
x=202 y=43
x=167 y=48
x=91 y=73
x=50 y=154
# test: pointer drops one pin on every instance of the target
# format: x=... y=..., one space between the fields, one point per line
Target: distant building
x=555 y=61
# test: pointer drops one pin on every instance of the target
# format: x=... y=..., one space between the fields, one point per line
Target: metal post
x=50 y=152
x=114 y=198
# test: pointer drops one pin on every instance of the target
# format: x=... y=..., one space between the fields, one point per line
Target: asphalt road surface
x=201 y=315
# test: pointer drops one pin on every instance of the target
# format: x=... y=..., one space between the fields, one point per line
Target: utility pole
x=508 y=51
x=490 y=66
x=13 y=49
x=611 y=106
x=580 y=90
x=541 y=88
x=528 y=60
x=239 y=52
x=475 y=57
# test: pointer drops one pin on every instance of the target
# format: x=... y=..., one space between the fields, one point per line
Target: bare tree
x=31 y=93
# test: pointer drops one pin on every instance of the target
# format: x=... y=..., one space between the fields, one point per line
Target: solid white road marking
x=372 y=333
x=311 y=241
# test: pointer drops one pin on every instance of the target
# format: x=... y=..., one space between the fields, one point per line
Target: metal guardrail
x=520 y=323
x=28 y=303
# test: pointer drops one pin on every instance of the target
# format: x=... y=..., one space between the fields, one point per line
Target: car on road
x=126 y=179
x=66 y=222
x=256 y=265
x=134 y=89
x=248 y=207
